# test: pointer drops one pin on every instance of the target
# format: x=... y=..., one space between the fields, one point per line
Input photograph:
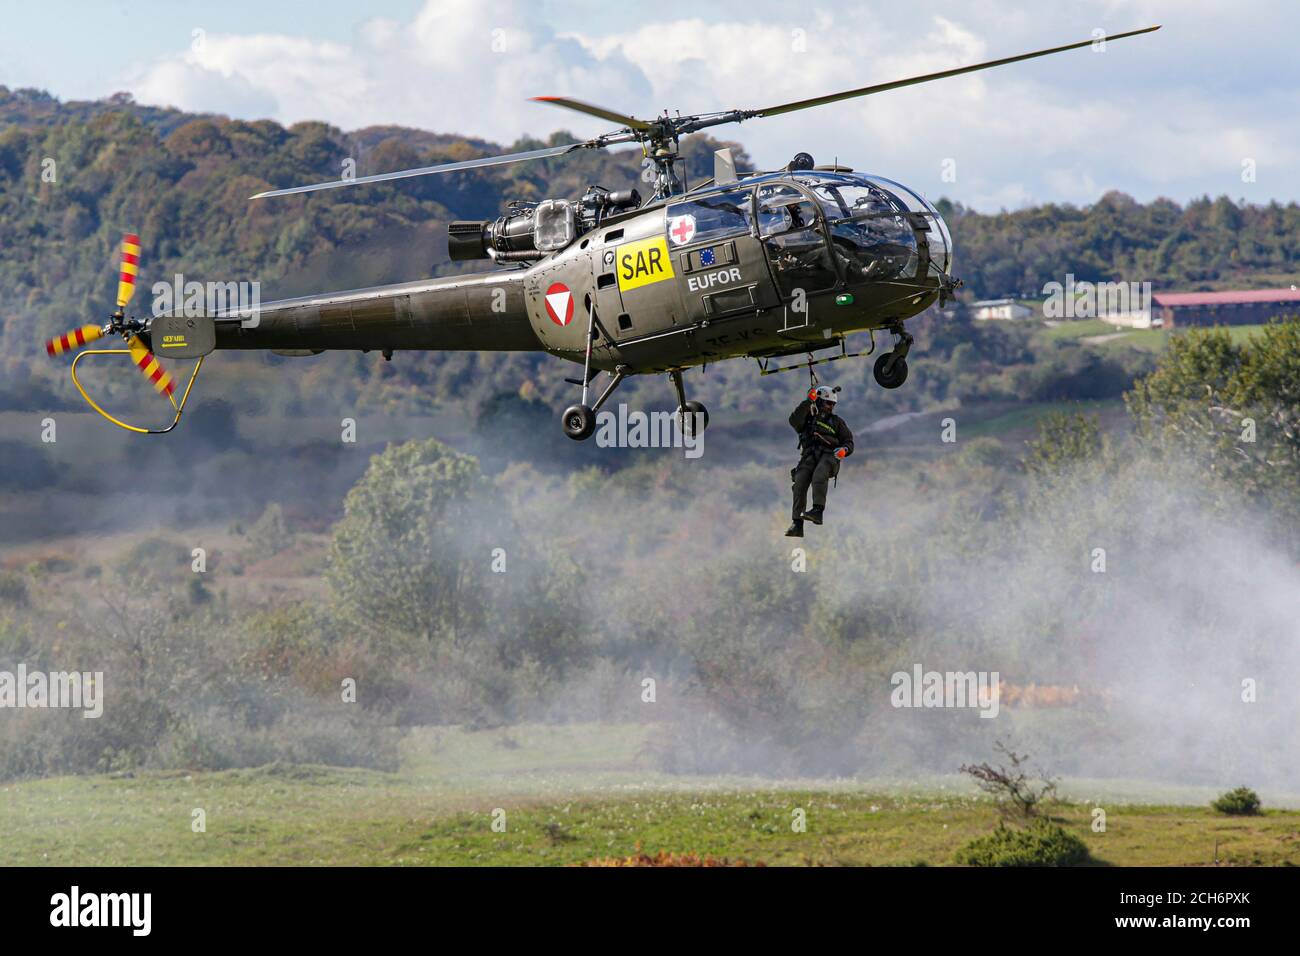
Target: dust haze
x=1139 y=633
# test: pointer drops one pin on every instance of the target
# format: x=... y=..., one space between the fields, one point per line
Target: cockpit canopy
x=876 y=229
x=874 y=222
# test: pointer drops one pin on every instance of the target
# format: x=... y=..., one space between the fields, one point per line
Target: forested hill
x=1205 y=244
x=74 y=176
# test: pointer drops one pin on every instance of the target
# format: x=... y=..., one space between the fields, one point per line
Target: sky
x=1208 y=105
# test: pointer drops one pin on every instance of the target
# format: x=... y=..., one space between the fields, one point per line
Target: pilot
x=824 y=441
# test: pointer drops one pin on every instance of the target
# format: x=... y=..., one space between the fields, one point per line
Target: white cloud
x=458 y=67
x=1057 y=129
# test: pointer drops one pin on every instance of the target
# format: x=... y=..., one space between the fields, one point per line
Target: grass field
x=1021 y=421
x=572 y=794
x=1105 y=336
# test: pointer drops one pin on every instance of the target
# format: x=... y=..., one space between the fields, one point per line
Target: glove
x=841 y=452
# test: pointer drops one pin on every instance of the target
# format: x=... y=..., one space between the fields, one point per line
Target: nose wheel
x=579 y=422
x=891 y=368
x=689 y=419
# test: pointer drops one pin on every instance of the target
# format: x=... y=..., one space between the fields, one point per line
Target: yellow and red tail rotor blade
x=130 y=266
x=149 y=367
x=74 y=339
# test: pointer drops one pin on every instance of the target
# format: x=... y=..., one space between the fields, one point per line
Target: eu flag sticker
x=707 y=257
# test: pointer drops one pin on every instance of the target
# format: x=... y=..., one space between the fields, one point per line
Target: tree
x=1014 y=790
x=1231 y=410
x=416 y=534
x=1063 y=440
x=197 y=140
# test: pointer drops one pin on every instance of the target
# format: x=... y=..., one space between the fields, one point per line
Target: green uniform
x=820 y=433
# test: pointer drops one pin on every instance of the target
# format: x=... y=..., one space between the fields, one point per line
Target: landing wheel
x=579 y=422
x=688 y=420
x=890 y=370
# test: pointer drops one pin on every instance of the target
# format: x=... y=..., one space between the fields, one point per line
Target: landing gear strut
x=891 y=368
x=579 y=421
x=687 y=411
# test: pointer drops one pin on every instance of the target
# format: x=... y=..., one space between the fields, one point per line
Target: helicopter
x=765 y=264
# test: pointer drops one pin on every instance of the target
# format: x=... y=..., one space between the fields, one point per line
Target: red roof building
x=1240 y=307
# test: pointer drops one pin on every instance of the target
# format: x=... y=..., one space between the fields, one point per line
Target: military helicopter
x=766 y=265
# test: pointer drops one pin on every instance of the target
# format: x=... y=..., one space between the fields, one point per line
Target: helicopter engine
x=508 y=237
x=530 y=231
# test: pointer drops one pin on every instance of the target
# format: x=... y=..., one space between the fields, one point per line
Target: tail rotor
x=134 y=332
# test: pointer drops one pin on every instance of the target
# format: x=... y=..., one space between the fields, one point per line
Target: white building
x=1132 y=319
x=1004 y=309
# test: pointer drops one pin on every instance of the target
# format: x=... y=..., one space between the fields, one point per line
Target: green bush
x=985 y=451
x=1041 y=844
x=1242 y=802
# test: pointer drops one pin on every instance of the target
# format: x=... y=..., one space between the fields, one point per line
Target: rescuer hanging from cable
x=824 y=441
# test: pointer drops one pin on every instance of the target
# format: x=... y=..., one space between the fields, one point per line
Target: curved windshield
x=892 y=210
x=938 y=238
x=871 y=233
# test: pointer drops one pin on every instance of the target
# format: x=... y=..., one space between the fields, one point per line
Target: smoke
x=1168 y=628
x=1141 y=630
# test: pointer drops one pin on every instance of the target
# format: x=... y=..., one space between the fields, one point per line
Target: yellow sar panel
x=643 y=262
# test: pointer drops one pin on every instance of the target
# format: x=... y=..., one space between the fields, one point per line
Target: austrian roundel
x=559 y=303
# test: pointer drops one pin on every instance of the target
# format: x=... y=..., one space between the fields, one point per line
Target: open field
x=1018 y=423
x=1103 y=335
x=572 y=794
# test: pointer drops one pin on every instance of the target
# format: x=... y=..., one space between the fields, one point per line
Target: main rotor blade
x=427 y=170
x=911 y=81
x=631 y=122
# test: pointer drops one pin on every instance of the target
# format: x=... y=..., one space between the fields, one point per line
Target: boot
x=814 y=514
x=795 y=530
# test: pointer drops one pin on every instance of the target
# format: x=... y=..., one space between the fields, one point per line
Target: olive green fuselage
x=658 y=288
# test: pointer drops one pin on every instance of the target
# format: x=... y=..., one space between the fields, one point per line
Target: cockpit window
x=911 y=200
x=871 y=232
x=783 y=208
x=938 y=239
x=855 y=197
x=846 y=201
x=875 y=248
x=710 y=217
x=790 y=228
